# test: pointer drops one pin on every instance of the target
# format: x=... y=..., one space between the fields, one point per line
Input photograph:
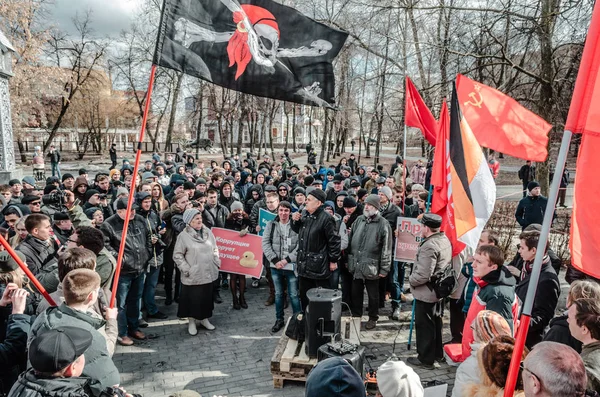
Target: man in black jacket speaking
x=318 y=245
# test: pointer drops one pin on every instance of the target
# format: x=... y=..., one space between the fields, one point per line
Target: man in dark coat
x=138 y=247
x=531 y=209
x=319 y=245
x=548 y=289
x=526 y=175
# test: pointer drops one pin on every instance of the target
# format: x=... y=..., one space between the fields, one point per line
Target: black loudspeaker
x=323 y=318
x=355 y=358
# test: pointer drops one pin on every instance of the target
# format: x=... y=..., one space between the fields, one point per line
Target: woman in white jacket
x=197 y=257
x=486 y=326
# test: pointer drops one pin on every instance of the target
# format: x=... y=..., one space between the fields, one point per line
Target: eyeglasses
x=36 y=203
x=73 y=241
x=522 y=367
x=283 y=190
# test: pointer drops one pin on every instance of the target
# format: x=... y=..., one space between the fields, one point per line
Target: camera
x=116 y=392
x=102 y=196
x=56 y=198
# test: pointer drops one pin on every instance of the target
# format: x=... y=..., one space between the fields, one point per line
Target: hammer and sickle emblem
x=476 y=98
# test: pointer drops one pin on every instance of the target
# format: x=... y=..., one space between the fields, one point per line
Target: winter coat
x=272 y=243
x=216 y=220
x=531 y=210
x=105 y=261
x=173 y=217
x=197 y=256
x=137 y=244
x=29 y=385
x=590 y=354
x=556 y=262
x=370 y=248
x=38 y=253
x=54 y=156
x=467 y=372
x=153 y=222
x=98 y=364
x=559 y=332
x=495 y=292
x=435 y=252
x=527 y=174
x=485 y=387
x=467 y=294
x=417 y=174
x=13 y=350
x=255 y=213
x=545 y=302
x=318 y=244
x=391 y=214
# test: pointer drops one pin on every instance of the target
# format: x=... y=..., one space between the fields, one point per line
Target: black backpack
x=444 y=282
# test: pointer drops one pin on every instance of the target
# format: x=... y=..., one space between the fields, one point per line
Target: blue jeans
x=150 y=289
x=396 y=281
x=129 y=296
x=292 y=291
x=55 y=170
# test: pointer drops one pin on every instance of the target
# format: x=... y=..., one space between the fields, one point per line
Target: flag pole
x=138 y=155
x=513 y=371
x=404 y=171
x=26 y=270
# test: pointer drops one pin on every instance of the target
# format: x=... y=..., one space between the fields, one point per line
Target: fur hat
x=494 y=360
x=488 y=325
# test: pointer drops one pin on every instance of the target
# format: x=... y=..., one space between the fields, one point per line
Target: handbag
x=296 y=328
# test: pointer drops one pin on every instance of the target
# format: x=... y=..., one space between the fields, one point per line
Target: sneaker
x=158 y=315
x=125 y=341
x=192 y=330
x=143 y=323
x=255 y=283
x=371 y=324
x=414 y=361
x=396 y=314
x=206 y=324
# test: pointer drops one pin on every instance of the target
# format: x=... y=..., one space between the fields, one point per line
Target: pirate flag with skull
x=258 y=47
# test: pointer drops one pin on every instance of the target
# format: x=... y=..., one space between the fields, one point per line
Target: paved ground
x=234 y=359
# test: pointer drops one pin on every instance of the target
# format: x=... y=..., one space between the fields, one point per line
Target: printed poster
x=239 y=255
x=407 y=240
x=264 y=217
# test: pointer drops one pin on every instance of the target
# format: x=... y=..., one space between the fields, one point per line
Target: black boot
x=236 y=303
x=169 y=298
x=217 y=297
x=243 y=303
x=279 y=324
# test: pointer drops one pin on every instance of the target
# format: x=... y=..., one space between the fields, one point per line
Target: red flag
x=501 y=123
x=583 y=117
x=442 y=203
x=417 y=114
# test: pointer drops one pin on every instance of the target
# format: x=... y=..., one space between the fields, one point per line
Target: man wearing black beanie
x=318 y=245
x=531 y=209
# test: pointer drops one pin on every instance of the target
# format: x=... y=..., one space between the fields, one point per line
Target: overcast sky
x=109 y=16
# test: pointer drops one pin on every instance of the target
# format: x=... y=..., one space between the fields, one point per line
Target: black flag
x=258 y=47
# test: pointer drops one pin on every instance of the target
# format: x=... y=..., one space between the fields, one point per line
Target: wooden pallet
x=290 y=361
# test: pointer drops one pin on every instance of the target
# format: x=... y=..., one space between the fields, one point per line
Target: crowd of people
x=334 y=227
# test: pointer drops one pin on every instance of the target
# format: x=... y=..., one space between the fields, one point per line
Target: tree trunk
x=325 y=136
x=22 y=150
x=173 y=109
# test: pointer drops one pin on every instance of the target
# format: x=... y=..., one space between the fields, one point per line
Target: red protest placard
x=408 y=239
x=239 y=255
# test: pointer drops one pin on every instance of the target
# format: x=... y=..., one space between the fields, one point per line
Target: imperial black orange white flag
x=258 y=47
x=470 y=182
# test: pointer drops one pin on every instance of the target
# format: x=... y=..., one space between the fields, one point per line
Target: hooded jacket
x=226 y=201
x=39 y=253
x=98 y=365
x=495 y=292
x=272 y=243
x=531 y=210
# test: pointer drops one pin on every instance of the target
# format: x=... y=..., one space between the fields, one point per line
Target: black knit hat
x=319 y=195
x=532 y=185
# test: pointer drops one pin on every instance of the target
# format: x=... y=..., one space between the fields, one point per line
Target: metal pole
x=404 y=171
x=138 y=155
x=513 y=371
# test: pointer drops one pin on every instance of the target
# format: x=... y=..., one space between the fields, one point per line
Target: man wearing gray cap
x=369 y=258
x=435 y=252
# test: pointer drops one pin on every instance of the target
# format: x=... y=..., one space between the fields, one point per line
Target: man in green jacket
x=369 y=258
x=80 y=289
